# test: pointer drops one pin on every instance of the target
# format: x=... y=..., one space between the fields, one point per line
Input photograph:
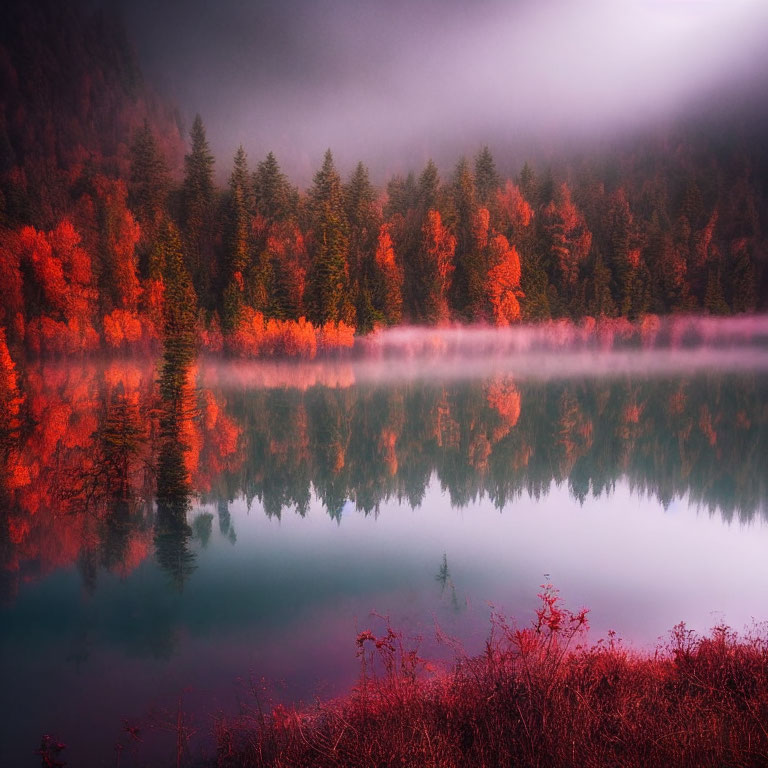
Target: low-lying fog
x=654 y=347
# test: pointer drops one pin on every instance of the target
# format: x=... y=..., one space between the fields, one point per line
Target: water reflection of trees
x=107 y=460
x=704 y=437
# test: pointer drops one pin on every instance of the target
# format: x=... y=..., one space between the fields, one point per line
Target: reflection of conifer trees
x=331 y=412
x=226 y=528
x=95 y=447
x=172 y=532
x=704 y=437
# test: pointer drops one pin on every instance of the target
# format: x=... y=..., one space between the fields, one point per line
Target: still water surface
x=317 y=494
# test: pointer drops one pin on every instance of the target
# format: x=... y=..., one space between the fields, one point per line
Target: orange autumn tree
x=120 y=285
x=388 y=278
x=569 y=242
x=437 y=251
x=503 y=283
x=65 y=295
x=513 y=212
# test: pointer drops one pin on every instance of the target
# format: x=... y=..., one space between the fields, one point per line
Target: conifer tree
x=179 y=299
x=487 y=179
x=468 y=288
x=528 y=184
x=198 y=210
x=328 y=289
x=743 y=298
x=274 y=196
x=364 y=219
x=149 y=181
x=239 y=243
x=600 y=302
x=428 y=189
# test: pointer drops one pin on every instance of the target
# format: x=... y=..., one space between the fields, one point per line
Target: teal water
x=321 y=497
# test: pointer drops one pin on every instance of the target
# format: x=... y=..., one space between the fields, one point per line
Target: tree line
x=113 y=228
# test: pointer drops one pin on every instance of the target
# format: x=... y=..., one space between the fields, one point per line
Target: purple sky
x=395 y=82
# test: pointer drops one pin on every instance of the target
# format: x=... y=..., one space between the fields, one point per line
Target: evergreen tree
x=239 y=243
x=468 y=287
x=714 y=299
x=275 y=200
x=149 y=182
x=328 y=289
x=487 y=179
x=528 y=185
x=428 y=189
x=179 y=299
x=601 y=303
x=401 y=196
x=743 y=279
x=198 y=210
x=364 y=221
x=535 y=288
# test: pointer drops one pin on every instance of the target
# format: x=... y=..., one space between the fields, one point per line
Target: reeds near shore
x=537 y=696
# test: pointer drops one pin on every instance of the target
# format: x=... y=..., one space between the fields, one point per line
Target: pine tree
x=239 y=243
x=487 y=179
x=428 y=188
x=179 y=299
x=743 y=298
x=528 y=185
x=275 y=200
x=149 y=181
x=364 y=220
x=198 y=210
x=468 y=288
x=714 y=299
x=328 y=289
x=601 y=303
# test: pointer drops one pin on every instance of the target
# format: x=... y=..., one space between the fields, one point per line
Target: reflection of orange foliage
x=448 y=432
x=337 y=454
x=706 y=426
x=504 y=397
x=632 y=414
x=10 y=397
x=137 y=551
x=50 y=469
x=676 y=403
x=479 y=451
x=387 y=442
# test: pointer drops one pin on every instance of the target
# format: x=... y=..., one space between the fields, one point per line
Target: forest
x=113 y=226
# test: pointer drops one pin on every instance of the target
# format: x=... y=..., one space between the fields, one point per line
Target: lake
x=238 y=552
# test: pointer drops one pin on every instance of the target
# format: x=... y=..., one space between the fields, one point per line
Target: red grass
x=535 y=697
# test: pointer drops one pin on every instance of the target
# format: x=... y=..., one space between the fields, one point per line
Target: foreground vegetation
x=537 y=696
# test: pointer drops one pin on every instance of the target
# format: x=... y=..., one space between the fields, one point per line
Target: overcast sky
x=394 y=82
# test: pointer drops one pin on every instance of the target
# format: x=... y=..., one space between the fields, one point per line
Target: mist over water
x=682 y=345
x=422 y=475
